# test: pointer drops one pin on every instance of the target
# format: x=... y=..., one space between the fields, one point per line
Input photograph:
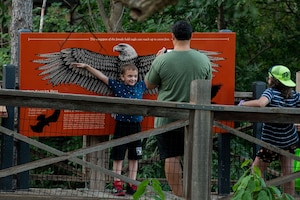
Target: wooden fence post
x=7 y=142
x=97 y=179
x=298 y=81
x=258 y=87
x=197 y=170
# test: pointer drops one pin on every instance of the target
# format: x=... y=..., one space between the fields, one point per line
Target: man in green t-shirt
x=172 y=73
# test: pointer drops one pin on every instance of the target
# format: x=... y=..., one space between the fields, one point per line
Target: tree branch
x=115 y=20
x=103 y=15
x=141 y=9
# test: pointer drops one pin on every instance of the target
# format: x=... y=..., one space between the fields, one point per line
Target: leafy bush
x=142 y=189
x=251 y=186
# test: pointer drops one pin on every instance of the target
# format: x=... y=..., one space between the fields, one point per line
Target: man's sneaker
x=118 y=189
x=131 y=189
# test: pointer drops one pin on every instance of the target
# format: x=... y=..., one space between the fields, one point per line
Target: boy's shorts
x=268 y=156
x=171 y=144
x=123 y=129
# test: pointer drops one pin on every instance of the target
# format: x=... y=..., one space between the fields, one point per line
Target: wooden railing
x=198 y=115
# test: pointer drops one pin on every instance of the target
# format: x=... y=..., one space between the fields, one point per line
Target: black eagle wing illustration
x=144 y=64
x=57 y=67
x=214 y=58
x=45 y=121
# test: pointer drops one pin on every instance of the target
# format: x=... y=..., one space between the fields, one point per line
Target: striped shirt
x=279 y=134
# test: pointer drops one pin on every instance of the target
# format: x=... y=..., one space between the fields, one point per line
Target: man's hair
x=182 y=30
x=128 y=66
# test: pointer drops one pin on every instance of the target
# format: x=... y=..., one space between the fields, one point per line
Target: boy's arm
x=94 y=71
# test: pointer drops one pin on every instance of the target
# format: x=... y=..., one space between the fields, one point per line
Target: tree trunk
x=42 y=16
x=114 y=22
x=221 y=18
x=21 y=19
x=141 y=9
x=116 y=16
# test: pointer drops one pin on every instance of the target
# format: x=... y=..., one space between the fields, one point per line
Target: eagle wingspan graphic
x=144 y=63
x=57 y=67
x=212 y=55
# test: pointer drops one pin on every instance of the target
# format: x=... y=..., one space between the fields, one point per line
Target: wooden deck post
x=198 y=145
x=7 y=142
x=298 y=81
x=97 y=179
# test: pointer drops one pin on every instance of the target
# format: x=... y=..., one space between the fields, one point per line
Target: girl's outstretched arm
x=261 y=102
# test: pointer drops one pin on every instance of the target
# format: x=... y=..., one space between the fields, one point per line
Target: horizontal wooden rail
x=143 y=107
x=92 y=103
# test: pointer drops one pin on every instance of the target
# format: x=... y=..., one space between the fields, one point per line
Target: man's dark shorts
x=123 y=129
x=171 y=144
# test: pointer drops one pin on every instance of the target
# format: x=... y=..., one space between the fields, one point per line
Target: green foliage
x=86 y=17
x=58 y=19
x=241 y=150
x=266 y=39
x=251 y=186
x=142 y=189
x=54 y=20
x=150 y=155
x=64 y=144
x=4 y=36
x=4 y=56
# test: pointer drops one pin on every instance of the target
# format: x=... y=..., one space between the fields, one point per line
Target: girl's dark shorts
x=171 y=144
x=268 y=156
x=123 y=129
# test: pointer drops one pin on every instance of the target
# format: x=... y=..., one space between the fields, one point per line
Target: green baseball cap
x=283 y=74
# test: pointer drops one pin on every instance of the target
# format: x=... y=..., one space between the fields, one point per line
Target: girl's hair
x=128 y=66
x=286 y=92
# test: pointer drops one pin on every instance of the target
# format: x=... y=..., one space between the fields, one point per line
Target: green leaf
x=262 y=183
x=258 y=184
x=237 y=185
x=157 y=188
x=271 y=194
x=247 y=196
x=287 y=196
x=275 y=190
x=245 y=182
x=262 y=195
x=246 y=163
x=238 y=195
x=257 y=171
x=141 y=190
x=252 y=186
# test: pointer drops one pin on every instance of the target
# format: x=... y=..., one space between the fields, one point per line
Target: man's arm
x=94 y=71
x=149 y=85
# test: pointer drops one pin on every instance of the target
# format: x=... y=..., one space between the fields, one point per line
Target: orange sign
x=35 y=48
